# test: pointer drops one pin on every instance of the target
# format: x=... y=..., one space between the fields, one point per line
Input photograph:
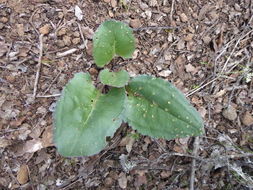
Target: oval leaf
x=115 y=79
x=157 y=108
x=112 y=37
x=84 y=117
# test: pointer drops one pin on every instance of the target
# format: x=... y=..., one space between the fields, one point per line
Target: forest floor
x=207 y=53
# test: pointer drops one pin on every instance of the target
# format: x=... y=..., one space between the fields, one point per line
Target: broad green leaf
x=112 y=38
x=115 y=79
x=158 y=109
x=84 y=117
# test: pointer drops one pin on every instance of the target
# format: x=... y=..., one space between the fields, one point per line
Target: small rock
x=67 y=40
x=62 y=32
x=76 y=34
x=1 y=26
x=207 y=39
x=230 y=113
x=189 y=37
x=247 y=119
x=45 y=29
x=89 y=48
x=114 y=3
x=93 y=71
x=122 y=180
x=153 y=3
x=165 y=73
x=76 y=41
x=135 y=23
x=183 y=17
x=60 y=43
x=4 y=19
x=108 y=182
x=181 y=44
x=20 y=30
x=23 y=174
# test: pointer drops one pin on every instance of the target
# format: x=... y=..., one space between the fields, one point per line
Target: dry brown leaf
x=30 y=146
x=47 y=137
x=18 y=122
x=23 y=174
x=190 y=68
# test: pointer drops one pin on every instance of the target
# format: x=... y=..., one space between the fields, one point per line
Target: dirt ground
x=203 y=47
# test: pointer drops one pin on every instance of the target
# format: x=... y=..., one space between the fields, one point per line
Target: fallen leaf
x=78 y=13
x=47 y=137
x=30 y=146
x=88 y=32
x=23 y=174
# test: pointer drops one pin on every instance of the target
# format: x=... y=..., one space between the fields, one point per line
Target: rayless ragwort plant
x=84 y=116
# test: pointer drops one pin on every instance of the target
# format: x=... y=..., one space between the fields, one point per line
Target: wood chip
x=45 y=29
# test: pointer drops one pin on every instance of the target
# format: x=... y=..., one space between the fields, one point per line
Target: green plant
x=84 y=116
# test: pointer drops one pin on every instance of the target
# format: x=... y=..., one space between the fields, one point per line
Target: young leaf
x=158 y=109
x=112 y=37
x=84 y=117
x=115 y=79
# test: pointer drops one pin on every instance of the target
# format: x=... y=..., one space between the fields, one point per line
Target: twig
x=48 y=88
x=171 y=10
x=48 y=96
x=195 y=152
x=39 y=66
x=81 y=33
x=68 y=52
x=155 y=28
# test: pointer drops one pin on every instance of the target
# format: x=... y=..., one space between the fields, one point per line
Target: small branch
x=193 y=169
x=39 y=66
x=48 y=96
x=155 y=28
x=171 y=10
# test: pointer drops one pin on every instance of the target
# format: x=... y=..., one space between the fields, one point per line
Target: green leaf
x=84 y=117
x=115 y=79
x=158 y=109
x=112 y=37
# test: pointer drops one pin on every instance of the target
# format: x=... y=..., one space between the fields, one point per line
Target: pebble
x=76 y=41
x=114 y=3
x=62 y=32
x=135 y=23
x=45 y=29
x=230 y=113
x=4 y=19
x=67 y=40
x=1 y=26
x=247 y=119
x=183 y=17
